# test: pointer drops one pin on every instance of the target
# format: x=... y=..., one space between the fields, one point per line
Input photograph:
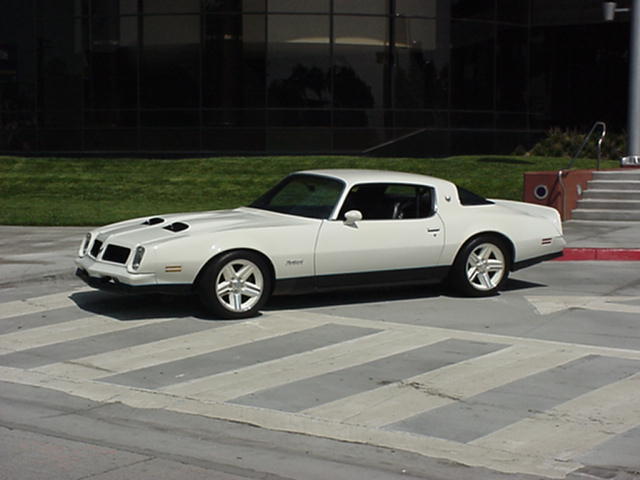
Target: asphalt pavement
x=547 y=371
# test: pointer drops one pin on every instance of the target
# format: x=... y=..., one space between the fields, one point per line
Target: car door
x=400 y=237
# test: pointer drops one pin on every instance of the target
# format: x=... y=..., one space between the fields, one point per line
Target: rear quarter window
x=468 y=198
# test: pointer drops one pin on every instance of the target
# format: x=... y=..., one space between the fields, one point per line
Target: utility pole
x=633 y=123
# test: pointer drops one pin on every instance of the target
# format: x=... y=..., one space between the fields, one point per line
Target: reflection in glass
x=170 y=75
x=421 y=8
x=472 y=65
x=361 y=53
x=234 y=62
x=376 y=7
x=421 y=73
x=296 y=6
x=299 y=61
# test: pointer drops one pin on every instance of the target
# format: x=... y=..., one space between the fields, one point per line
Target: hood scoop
x=176 y=227
x=153 y=221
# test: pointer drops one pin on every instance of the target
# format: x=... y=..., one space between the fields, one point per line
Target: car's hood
x=160 y=228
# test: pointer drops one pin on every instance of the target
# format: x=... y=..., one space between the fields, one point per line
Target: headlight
x=137 y=258
x=84 y=248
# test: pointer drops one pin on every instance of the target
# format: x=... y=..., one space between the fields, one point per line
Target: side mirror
x=351 y=217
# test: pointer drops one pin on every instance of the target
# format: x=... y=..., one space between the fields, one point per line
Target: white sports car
x=320 y=230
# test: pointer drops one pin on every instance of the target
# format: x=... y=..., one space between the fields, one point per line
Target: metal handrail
x=586 y=140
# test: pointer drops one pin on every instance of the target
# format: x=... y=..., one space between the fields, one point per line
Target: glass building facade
x=397 y=77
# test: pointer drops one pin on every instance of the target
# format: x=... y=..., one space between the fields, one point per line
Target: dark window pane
x=513 y=121
x=111 y=140
x=294 y=140
x=475 y=9
x=102 y=8
x=380 y=7
x=471 y=120
x=359 y=139
x=170 y=118
x=228 y=6
x=511 y=69
x=233 y=140
x=361 y=54
x=170 y=61
x=18 y=74
x=113 y=63
x=234 y=61
x=299 y=61
x=358 y=118
x=234 y=118
x=421 y=118
x=171 y=6
x=516 y=11
x=422 y=8
x=60 y=140
x=472 y=65
x=299 y=118
x=170 y=139
x=60 y=57
x=421 y=70
x=111 y=118
x=306 y=6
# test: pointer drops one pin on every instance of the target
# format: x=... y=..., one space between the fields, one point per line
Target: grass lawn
x=89 y=191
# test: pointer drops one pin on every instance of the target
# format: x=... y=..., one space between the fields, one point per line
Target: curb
x=600 y=254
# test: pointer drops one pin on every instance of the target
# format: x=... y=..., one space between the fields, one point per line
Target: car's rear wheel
x=235 y=285
x=482 y=267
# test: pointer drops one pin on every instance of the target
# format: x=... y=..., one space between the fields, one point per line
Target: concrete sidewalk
x=29 y=253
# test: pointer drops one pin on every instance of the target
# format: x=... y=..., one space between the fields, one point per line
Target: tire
x=235 y=285
x=481 y=268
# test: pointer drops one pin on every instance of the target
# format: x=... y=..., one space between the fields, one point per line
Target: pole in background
x=633 y=124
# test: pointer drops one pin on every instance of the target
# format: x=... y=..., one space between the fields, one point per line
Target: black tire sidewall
x=207 y=284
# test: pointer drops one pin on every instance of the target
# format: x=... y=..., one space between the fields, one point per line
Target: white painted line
x=474 y=336
x=232 y=384
x=396 y=402
x=472 y=455
x=68 y=331
x=39 y=304
x=176 y=348
x=546 y=305
x=574 y=427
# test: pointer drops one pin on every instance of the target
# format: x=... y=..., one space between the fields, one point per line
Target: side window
x=381 y=201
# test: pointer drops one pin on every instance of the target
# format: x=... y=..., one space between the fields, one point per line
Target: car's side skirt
x=299 y=285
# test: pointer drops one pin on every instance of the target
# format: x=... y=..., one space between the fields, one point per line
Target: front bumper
x=116 y=278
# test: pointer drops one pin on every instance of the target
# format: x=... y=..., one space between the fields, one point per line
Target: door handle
x=433 y=230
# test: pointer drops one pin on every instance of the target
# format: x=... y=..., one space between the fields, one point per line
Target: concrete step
x=633 y=185
x=597 y=194
x=626 y=175
x=606 y=215
x=608 y=204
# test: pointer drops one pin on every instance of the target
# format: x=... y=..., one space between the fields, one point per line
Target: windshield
x=309 y=196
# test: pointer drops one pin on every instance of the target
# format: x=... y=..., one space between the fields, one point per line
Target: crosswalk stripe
x=233 y=384
x=39 y=304
x=177 y=348
x=67 y=331
x=396 y=402
x=574 y=427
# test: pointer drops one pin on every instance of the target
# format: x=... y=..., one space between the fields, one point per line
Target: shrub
x=565 y=143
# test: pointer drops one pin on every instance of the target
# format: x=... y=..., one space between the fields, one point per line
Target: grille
x=95 y=250
x=116 y=253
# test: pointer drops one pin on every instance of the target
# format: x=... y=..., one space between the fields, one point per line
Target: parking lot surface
x=541 y=380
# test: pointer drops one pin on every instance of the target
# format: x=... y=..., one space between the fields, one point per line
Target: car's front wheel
x=235 y=285
x=482 y=267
